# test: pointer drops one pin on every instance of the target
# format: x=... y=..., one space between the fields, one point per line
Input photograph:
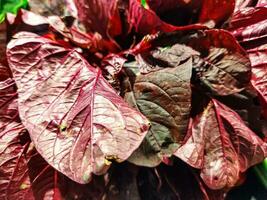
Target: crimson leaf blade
x=14 y=183
x=220 y=144
x=76 y=120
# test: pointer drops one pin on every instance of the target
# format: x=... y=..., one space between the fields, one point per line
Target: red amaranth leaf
x=47 y=183
x=223 y=66
x=53 y=27
x=76 y=120
x=100 y=16
x=219 y=143
x=145 y=21
x=176 y=12
x=252 y=34
x=14 y=183
x=216 y=11
x=113 y=63
x=2 y=40
x=258 y=57
x=240 y=4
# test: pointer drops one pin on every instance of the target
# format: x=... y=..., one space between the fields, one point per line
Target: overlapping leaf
x=220 y=65
x=164 y=97
x=252 y=34
x=48 y=184
x=207 y=12
x=14 y=182
x=223 y=66
x=162 y=57
x=145 y=21
x=92 y=12
x=220 y=144
x=216 y=11
x=55 y=28
x=76 y=120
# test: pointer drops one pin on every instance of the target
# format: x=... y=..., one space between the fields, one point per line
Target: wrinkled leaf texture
x=48 y=184
x=75 y=119
x=14 y=182
x=219 y=143
x=164 y=97
x=100 y=16
x=220 y=65
x=252 y=35
x=24 y=173
x=223 y=66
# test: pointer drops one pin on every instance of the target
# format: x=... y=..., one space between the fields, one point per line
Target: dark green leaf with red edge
x=164 y=97
x=221 y=146
x=223 y=67
x=76 y=120
x=252 y=35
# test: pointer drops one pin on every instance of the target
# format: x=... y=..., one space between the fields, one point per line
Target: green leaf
x=164 y=97
x=11 y=6
x=144 y=4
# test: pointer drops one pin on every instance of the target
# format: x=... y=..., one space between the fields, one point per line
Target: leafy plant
x=129 y=99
